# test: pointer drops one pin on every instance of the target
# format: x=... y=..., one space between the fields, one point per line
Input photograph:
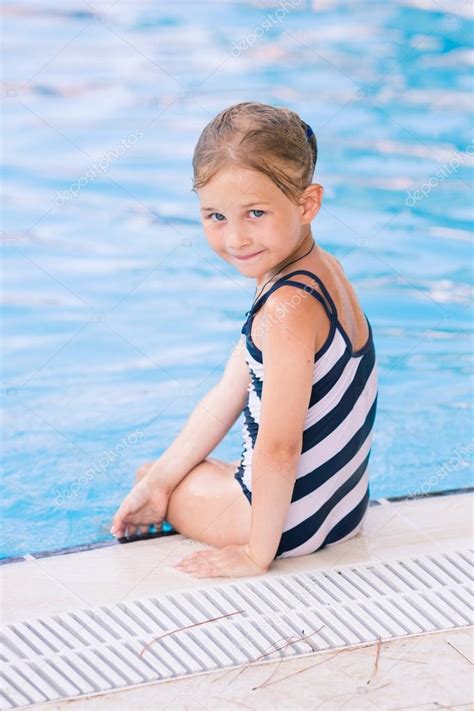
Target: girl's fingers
x=206 y=572
x=117 y=527
x=198 y=554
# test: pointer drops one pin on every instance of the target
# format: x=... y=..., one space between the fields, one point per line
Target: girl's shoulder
x=326 y=276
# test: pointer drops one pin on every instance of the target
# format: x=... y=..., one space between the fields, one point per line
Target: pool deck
x=425 y=672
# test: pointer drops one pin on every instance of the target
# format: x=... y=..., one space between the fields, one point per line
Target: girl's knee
x=207 y=505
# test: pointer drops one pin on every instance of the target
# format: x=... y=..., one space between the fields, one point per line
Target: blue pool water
x=117 y=315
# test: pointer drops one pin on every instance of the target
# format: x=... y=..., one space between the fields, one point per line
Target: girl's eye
x=260 y=211
x=216 y=213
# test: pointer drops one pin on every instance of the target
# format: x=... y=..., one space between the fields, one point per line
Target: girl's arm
x=289 y=347
x=209 y=422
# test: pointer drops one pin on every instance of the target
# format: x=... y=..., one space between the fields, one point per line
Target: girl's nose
x=234 y=235
x=237 y=242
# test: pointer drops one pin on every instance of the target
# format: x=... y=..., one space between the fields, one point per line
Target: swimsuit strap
x=280 y=282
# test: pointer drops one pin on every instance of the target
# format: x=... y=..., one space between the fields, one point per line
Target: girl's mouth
x=250 y=256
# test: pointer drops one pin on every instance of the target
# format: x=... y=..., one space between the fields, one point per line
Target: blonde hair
x=268 y=139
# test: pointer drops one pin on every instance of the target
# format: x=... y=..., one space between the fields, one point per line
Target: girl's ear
x=310 y=202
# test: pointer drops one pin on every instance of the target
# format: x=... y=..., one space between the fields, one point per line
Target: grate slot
x=383 y=625
x=215 y=601
x=271 y=601
x=200 y=654
x=314 y=627
x=105 y=618
x=399 y=609
x=401 y=571
x=332 y=621
x=366 y=590
x=206 y=607
x=375 y=586
x=467 y=557
x=436 y=572
x=63 y=668
x=141 y=620
x=308 y=587
x=251 y=603
x=335 y=591
x=464 y=594
x=426 y=574
x=150 y=666
x=23 y=647
x=249 y=641
x=200 y=651
x=6 y=702
x=101 y=633
x=74 y=631
x=350 y=591
x=230 y=645
x=20 y=689
x=203 y=633
x=56 y=634
x=392 y=581
x=122 y=623
x=451 y=570
x=58 y=681
x=179 y=618
x=282 y=641
x=295 y=594
x=112 y=667
x=312 y=622
x=11 y=649
x=318 y=626
x=35 y=636
x=426 y=611
x=447 y=618
x=455 y=604
x=162 y=623
x=214 y=654
x=192 y=652
x=286 y=631
x=392 y=614
x=345 y=613
x=86 y=664
x=465 y=566
x=33 y=674
x=223 y=627
x=162 y=659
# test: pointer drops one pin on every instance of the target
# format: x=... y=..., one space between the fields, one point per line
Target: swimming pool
x=118 y=317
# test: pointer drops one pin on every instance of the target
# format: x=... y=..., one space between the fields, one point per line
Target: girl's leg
x=208 y=505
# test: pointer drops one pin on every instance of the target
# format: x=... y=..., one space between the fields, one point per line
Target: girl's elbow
x=280 y=449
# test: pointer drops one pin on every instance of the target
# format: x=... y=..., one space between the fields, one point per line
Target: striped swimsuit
x=331 y=493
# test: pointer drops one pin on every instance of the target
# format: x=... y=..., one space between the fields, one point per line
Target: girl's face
x=249 y=222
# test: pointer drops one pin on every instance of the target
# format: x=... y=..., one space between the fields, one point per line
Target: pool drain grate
x=229 y=625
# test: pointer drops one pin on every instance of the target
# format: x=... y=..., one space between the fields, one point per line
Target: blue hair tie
x=309 y=131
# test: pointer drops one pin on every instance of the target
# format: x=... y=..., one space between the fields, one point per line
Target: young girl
x=303 y=373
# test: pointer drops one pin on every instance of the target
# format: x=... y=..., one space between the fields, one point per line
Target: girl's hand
x=227 y=562
x=145 y=504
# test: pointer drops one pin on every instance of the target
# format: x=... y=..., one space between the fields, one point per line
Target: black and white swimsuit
x=331 y=493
